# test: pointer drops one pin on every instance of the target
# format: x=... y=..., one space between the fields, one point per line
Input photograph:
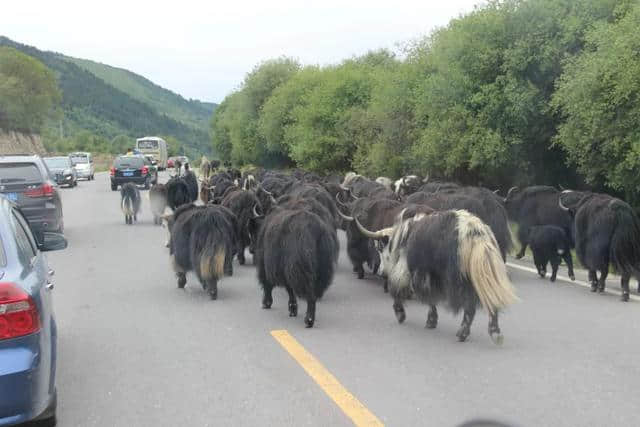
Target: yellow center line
x=351 y=406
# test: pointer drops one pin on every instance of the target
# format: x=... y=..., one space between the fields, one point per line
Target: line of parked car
x=31 y=222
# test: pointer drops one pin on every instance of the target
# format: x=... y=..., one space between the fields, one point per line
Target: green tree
x=29 y=92
x=599 y=99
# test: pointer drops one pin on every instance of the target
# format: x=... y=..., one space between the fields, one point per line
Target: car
x=133 y=168
x=27 y=322
x=83 y=164
x=62 y=170
x=26 y=181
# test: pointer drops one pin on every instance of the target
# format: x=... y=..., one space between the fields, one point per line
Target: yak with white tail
x=447 y=256
x=130 y=202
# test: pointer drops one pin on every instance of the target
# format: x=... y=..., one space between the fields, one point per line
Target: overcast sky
x=203 y=49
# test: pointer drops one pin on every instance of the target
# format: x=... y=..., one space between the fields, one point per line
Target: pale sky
x=203 y=49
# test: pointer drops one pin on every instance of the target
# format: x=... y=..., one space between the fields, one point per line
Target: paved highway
x=136 y=351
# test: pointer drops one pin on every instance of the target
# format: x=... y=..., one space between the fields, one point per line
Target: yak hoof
x=182 y=280
x=572 y=276
x=519 y=256
x=266 y=304
x=462 y=334
x=308 y=321
x=552 y=278
x=497 y=338
x=594 y=287
x=293 y=310
x=241 y=260
x=401 y=315
x=213 y=295
x=361 y=274
x=624 y=297
x=386 y=288
x=431 y=323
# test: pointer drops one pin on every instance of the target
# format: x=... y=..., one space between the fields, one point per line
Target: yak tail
x=625 y=241
x=127 y=206
x=481 y=261
x=212 y=263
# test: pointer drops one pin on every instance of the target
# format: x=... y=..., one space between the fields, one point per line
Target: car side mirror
x=53 y=242
x=155 y=162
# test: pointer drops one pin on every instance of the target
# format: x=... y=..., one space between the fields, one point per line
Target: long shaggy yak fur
x=448 y=256
x=202 y=240
x=158 y=202
x=297 y=250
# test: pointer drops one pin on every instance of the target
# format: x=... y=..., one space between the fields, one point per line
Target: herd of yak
x=437 y=242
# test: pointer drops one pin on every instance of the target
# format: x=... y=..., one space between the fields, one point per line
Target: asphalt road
x=136 y=351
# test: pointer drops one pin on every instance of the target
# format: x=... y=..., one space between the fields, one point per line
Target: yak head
x=570 y=201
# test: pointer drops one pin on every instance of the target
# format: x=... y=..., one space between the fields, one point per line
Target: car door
x=35 y=281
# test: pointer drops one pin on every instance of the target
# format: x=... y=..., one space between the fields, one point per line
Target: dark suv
x=137 y=169
x=26 y=181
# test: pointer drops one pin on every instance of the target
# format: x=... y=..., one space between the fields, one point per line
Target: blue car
x=27 y=323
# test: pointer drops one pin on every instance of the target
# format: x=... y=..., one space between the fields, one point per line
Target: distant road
x=136 y=351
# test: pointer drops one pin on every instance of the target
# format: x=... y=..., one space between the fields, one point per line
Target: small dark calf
x=550 y=244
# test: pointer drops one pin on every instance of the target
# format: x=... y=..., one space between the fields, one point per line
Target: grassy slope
x=191 y=112
x=137 y=107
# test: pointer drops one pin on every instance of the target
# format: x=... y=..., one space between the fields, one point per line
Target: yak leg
x=182 y=279
x=385 y=286
x=523 y=236
x=569 y=261
x=603 y=278
x=398 y=309
x=212 y=288
x=593 y=279
x=494 y=329
x=241 y=259
x=467 y=320
x=555 y=263
x=360 y=270
x=267 y=298
x=432 y=317
x=624 y=284
x=310 y=317
x=293 y=304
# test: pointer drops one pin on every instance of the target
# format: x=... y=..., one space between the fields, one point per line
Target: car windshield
x=79 y=159
x=128 y=162
x=19 y=172
x=57 y=162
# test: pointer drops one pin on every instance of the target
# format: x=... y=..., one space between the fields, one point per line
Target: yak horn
x=563 y=207
x=255 y=212
x=345 y=217
x=561 y=187
x=496 y=191
x=385 y=232
x=426 y=179
x=340 y=202
x=511 y=190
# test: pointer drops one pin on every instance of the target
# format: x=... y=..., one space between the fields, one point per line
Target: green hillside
x=111 y=102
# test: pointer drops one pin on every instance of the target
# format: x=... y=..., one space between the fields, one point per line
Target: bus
x=157 y=147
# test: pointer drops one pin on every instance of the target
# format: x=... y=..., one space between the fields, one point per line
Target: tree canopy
x=514 y=93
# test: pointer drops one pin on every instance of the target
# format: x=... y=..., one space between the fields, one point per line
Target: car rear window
x=19 y=172
x=57 y=162
x=128 y=162
x=79 y=159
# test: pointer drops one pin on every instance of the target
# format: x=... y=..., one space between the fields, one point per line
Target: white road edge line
x=574 y=282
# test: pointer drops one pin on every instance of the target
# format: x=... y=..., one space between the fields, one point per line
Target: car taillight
x=112 y=171
x=18 y=312
x=45 y=189
x=145 y=170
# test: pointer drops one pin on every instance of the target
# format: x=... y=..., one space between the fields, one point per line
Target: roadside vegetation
x=516 y=92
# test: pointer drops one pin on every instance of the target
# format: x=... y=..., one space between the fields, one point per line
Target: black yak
x=177 y=192
x=202 y=240
x=550 y=244
x=246 y=207
x=130 y=202
x=297 y=250
x=190 y=179
x=449 y=256
x=537 y=205
x=607 y=230
x=158 y=202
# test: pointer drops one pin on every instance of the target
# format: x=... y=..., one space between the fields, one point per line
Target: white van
x=83 y=164
x=157 y=147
